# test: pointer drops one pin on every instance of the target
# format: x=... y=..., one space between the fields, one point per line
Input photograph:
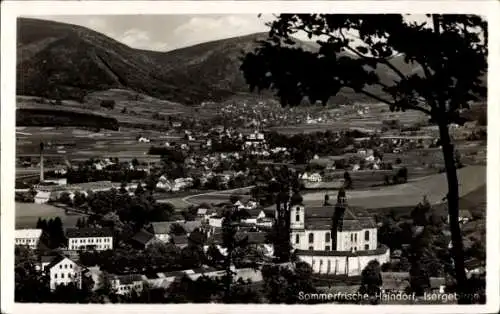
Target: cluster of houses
x=64 y=269
x=265 y=115
x=46 y=193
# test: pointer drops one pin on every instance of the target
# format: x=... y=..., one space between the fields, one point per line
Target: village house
x=42 y=197
x=204 y=213
x=315 y=177
x=125 y=284
x=62 y=270
x=255 y=215
x=28 y=237
x=474 y=267
x=142 y=239
x=180 y=241
x=60 y=171
x=143 y=140
x=162 y=230
x=99 y=239
x=215 y=221
x=464 y=216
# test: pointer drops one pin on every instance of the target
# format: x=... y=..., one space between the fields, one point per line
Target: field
x=78 y=144
x=434 y=187
x=27 y=215
x=216 y=196
x=139 y=108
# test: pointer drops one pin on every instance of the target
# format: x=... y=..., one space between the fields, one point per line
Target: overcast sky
x=168 y=32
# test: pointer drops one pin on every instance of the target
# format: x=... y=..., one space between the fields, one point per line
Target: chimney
x=41 y=163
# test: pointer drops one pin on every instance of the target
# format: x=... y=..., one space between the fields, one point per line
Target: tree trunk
x=453 y=210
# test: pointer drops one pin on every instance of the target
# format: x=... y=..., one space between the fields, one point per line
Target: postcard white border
x=12 y=9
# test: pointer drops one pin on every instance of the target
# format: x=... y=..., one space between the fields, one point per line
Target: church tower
x=297 y=212
x=338 y=217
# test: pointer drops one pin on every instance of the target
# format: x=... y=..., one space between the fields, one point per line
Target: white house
x=215 y=221
x=61 y=171
x=463 y=216
x=315 y=177
x=163 y=183
x=62 y=270
x=28 y=237
x=98 y=239
x=125 y=284
x=143 y=140
x=238 y=204
x=474 y=267
x=334 y=240
x=255 y=215
x=251 y=204
x=42 y=197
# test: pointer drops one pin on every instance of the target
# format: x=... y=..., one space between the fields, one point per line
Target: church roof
x=320 y=218
x=328 y=211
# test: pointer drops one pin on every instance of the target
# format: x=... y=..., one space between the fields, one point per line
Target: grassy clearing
x=27 y=215
x=409 y=194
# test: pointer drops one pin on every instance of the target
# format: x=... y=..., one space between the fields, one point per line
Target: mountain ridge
x=58 y=60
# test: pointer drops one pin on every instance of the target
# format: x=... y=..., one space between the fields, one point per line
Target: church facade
x=336 y=240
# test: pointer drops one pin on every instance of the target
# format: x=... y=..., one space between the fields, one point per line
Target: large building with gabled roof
x=336 y=240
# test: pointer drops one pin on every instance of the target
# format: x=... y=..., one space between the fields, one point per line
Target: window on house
x=320 y=262
x=62 y=275
x=60 y=266
x=328 y=266
x=352 y=237
x=367 y=235
x=297 y=218
x=65 y=266
x=55 y=276
x=327 y=237
x=311 y=237
x=71 y=266
x=327 y=248
x=297 y=239
x=367 y=247
x=355 y=237
x=297 y=208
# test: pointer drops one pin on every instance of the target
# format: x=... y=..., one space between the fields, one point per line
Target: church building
x=337 y=240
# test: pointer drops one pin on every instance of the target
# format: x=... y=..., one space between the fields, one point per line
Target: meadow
x=434 y=187
x=27 y=215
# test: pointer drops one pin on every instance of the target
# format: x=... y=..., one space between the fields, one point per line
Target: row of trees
x=52 y=232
